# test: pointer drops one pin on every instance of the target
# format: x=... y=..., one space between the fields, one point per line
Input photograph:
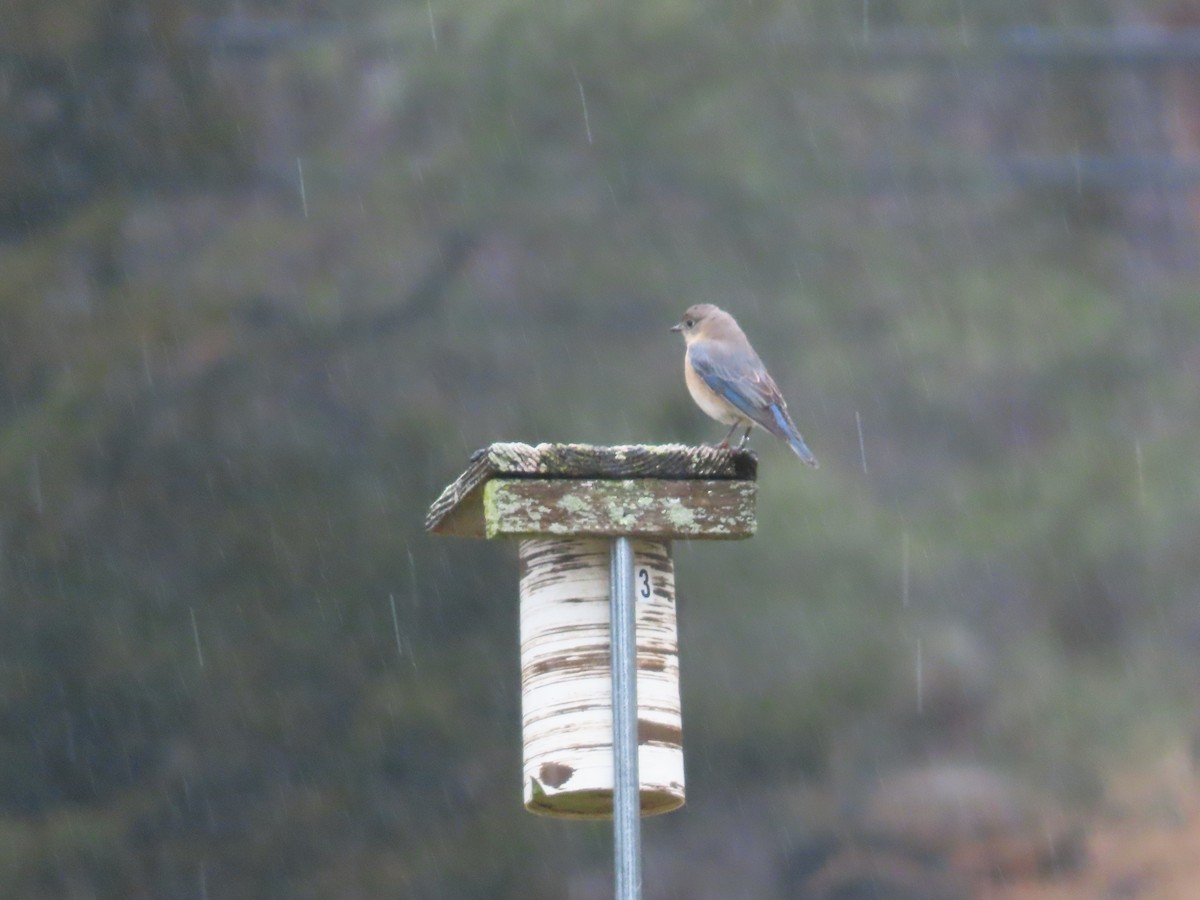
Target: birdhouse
x=566 y=506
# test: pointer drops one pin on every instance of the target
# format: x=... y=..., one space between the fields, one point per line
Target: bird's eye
x=689 y=323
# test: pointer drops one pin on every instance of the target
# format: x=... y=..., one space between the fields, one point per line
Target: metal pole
x=627 y=823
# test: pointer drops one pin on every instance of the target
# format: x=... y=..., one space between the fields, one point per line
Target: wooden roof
x=460 y=510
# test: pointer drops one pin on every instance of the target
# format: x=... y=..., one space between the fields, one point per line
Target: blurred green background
x=270 y=271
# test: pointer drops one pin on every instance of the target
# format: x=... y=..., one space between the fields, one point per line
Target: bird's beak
x=678 y=326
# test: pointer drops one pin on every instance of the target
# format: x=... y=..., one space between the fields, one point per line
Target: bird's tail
x=788 y=431
x=801 y=449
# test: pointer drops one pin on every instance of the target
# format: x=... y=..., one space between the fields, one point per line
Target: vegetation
x=267 y=280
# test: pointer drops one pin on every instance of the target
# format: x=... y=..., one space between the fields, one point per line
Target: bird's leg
x=725 y=440
x=745 y=437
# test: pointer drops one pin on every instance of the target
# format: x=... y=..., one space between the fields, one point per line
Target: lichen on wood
x=459 y=510
x=638 y=507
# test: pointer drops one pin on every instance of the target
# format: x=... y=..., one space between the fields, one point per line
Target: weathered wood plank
x=639 y=507
x=458 y=511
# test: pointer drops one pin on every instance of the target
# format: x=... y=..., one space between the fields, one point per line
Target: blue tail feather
x=788 y=431
x=801 y=449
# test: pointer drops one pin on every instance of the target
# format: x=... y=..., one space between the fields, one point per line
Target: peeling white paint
x=566 y=686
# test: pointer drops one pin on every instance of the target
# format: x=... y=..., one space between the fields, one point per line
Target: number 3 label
x=643 y=579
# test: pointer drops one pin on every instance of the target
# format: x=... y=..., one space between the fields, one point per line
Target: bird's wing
x=739 y=376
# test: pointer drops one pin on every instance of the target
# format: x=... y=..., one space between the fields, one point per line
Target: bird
x=730 y=383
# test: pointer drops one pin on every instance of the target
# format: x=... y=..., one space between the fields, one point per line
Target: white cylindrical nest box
x=567 y=504
x=566 y=679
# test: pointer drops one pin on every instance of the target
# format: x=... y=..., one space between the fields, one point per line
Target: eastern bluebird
x=729 y=382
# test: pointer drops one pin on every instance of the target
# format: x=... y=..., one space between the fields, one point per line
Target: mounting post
x=601 y=720
x=627 y=823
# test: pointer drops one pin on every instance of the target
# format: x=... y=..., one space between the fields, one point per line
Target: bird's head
x=703 y=321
